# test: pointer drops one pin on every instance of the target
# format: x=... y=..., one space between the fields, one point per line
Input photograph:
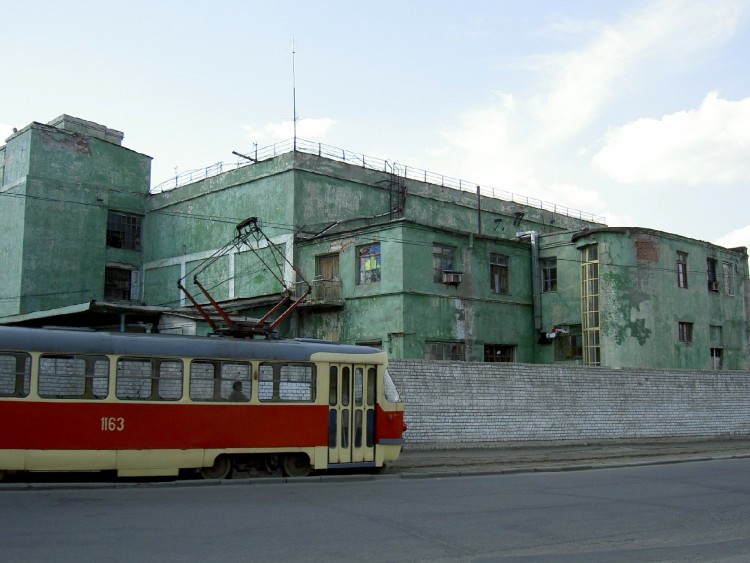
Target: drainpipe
x=536 y=280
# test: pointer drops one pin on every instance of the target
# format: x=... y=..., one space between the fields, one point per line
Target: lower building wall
x=463 y=404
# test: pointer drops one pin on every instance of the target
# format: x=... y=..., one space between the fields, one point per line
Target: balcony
x=324 y=294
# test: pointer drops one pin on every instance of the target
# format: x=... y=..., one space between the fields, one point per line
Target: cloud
x=307 y=128
x=513 y=141
x=705 y=145
x=738 y=237
x=580 y=82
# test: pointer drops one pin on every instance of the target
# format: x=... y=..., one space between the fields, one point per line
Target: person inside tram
x=237 y=396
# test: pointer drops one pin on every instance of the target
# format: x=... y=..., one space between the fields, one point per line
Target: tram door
x=351 y=413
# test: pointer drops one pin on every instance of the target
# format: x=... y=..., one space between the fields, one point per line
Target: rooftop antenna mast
x=294 y=98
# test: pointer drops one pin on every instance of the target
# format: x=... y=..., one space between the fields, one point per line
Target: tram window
x=391 y=393
x=15 y=374
x=73 y=377
x=358 y=386
x=345 y=386
x=333 y=380
x=202 y=381
x=358 y=428
x=170 y=380
x=233 y=374
x=371 y=378
x=213 y=380
x=345 y=428
x=149 y=379
x=332 y=432
x=286 y=382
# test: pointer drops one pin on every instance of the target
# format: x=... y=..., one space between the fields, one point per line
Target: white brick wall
x=462 y=404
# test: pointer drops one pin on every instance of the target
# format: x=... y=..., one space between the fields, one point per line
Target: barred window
x=444 y=351
x=117 y=283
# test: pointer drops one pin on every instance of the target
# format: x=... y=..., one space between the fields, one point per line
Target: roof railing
x=369 y=162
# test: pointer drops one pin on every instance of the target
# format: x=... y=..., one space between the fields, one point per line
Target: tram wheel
x=221 y=468
x=296 y=465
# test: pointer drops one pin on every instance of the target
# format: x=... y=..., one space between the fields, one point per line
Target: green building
x=422 y=265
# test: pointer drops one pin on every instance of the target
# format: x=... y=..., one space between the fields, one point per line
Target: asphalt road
x=695 y=511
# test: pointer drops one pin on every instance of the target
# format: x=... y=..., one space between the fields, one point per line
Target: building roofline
x=654 y=232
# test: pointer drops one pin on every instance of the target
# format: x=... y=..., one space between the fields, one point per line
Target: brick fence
x=466 y=404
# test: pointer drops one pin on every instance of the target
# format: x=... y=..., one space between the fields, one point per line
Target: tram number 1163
x=112 y=424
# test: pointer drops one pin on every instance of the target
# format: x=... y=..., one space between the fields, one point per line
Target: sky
x=636 y=111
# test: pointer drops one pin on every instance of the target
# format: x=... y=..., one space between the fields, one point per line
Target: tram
x=158 y=405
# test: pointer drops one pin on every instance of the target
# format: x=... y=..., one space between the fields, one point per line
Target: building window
x=590 y=328
x=682 y=279
x=549 y=274
x=569 y=345
x=118 y=284
x=685 y=332
x=727 y=271
x=716 y=359
x=444 y=351
x=498 y=273
x=442 y=260
x=713 y=280
x=714 y=333
x=369 y=263
x=499 y=353
x=123 y=231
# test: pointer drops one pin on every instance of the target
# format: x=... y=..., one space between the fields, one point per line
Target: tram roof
x=71 y=341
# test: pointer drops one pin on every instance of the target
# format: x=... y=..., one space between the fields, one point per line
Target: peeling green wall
x=641 y=304
x=406 y=308
x=68 y=182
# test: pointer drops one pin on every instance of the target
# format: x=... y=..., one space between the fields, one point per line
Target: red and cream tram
x=149 y=404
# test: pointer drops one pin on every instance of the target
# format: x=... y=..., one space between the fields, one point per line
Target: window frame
x=500 y=353
x=124 y=230
x=443 y=260
x=111 y=284
x=682 y=271
x=449 y=351
x=280 y=375
x=375 y=269
x=712 y=274
x=155 y=377
x=685 y=332
x=549 y=274
x=727 y=274
x=66 y=375
x=499 y=273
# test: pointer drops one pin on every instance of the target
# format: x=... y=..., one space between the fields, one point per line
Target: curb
x=355 y=478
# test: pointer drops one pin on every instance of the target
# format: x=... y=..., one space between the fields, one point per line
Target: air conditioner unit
x=452 y=278
x=713 y=286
